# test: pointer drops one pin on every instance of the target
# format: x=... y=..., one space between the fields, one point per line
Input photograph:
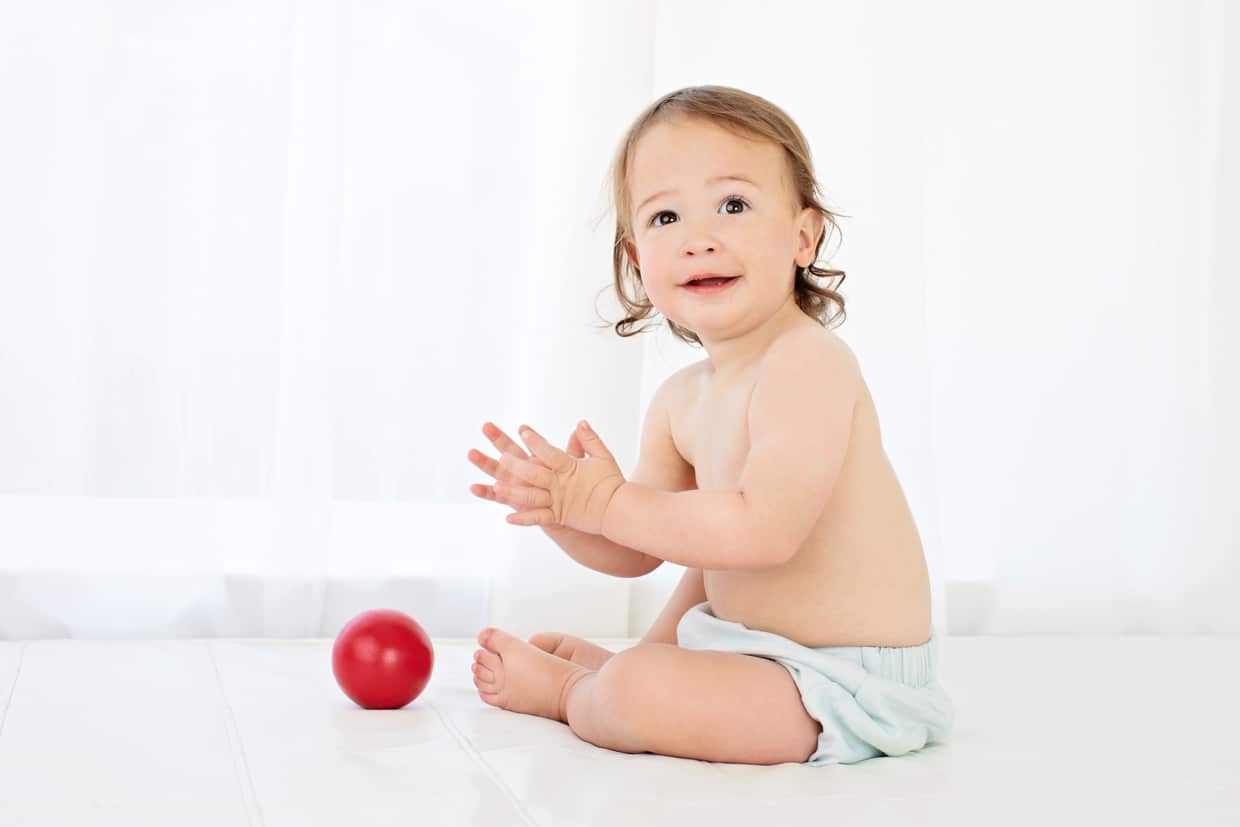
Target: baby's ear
x=812 y=225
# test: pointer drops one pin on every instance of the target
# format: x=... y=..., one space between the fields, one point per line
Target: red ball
x=382 y=659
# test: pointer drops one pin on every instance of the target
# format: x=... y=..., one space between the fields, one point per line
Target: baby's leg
x=688 y=593
x=655 y=697
x=574 y=649
x=711 y=706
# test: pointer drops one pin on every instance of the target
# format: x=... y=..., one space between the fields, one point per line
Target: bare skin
x=572 y=649
x=655 y=697
x=859 y=578
x=588 y=687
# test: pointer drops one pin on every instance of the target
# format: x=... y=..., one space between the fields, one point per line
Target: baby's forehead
x=697 y=152
x=670 y=150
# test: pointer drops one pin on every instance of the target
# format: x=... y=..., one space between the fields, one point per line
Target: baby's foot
x=582 y=652
x=520 y=677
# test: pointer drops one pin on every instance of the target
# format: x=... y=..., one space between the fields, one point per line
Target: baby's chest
x=712 y=434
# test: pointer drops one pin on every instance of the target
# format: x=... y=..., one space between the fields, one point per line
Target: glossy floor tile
x=1049 y=730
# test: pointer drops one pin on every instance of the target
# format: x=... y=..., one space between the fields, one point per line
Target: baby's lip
x=698 y=276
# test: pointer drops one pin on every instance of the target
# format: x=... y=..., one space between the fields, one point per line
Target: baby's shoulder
x=813 y=344
x=688 y=378
x=678 y=389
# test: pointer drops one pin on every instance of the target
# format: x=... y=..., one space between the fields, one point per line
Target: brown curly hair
x=749 y=116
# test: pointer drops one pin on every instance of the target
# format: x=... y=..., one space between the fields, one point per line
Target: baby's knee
x=626 y=682
x=610 y=712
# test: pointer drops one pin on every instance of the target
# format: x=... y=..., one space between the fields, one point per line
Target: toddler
x=800 y=631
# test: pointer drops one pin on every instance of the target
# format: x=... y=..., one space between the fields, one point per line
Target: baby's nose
x=702 y=246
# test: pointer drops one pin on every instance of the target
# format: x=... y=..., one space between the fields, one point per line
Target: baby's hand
x=565 y=490
x=508 y=489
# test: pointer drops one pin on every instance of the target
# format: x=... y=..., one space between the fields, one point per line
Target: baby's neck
x=732 y=358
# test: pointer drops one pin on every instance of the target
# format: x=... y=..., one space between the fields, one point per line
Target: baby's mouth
x=709 y=282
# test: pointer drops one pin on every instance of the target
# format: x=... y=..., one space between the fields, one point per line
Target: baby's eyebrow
x=708 y=180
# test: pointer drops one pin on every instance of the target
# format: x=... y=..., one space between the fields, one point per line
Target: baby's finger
x=490 y=466
x=527 y=472
x=518 y=497
x=501 y=440
x=543 y=516
x=494 y=493
x=522 y=497
x=482 y=461
x=574 y=446
x=485 y=492
x=555 y=459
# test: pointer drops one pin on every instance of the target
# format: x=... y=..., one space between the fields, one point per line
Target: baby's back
x=860 y=578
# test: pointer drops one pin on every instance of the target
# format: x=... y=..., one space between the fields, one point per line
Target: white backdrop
x=266 y=268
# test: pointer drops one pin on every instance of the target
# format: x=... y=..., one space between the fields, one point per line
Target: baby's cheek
x=666 y=305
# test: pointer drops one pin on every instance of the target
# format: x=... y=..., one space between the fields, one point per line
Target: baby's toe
x=490 y=660
x=497 y=640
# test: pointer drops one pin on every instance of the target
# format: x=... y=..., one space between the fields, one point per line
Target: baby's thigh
x=711 y=706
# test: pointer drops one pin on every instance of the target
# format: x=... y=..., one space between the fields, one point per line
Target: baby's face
x=694 y=224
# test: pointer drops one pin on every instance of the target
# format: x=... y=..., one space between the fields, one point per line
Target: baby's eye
x=654 y=219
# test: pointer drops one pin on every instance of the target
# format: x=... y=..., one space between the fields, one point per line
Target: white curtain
x=266 y=268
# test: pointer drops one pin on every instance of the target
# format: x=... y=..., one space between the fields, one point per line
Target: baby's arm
x=660 y=466
x=799 y=424
x=596 y=552
x=695 y=529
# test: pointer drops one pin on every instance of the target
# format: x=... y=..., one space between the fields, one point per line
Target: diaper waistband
x=913 y=666
x=909 y=665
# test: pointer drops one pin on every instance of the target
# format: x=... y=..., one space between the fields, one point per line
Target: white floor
x=1071 y=730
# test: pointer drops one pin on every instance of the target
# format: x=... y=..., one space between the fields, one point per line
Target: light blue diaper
x=870 y=700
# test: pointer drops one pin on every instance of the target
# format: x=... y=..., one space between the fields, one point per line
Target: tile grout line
x=473 y=752
x=241 y=767
x=21 y=658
